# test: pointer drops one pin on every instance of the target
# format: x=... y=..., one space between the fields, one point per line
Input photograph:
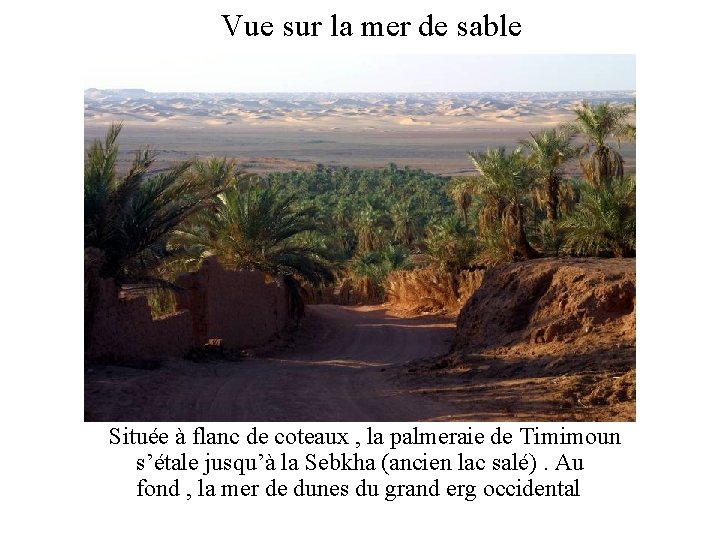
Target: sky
x=372 y=73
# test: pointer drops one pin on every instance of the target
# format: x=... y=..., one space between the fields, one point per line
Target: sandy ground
x=271 y=149
x=262 y=149
x=597 y=387
x=344 y=365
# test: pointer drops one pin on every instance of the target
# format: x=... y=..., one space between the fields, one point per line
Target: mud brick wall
x=239 y=307
x=124 y=328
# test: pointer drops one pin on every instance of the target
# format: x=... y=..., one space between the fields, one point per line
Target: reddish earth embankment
x=552 y=339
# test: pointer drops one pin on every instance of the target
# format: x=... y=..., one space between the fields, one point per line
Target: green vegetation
x=504 y=186
x=549 y=151
x=603 y=223
x=253 y=228
x=452 y=246
x=128 y=217
x=369 y=222
x=247 y=227
x=597 y=124
x=359 y=225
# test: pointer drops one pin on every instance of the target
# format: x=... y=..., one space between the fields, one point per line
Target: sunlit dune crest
x=421 y=109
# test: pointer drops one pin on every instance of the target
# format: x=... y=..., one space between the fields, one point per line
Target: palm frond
x=599 y=123
x=603 y=223
x=129 y=217
x=256 y=229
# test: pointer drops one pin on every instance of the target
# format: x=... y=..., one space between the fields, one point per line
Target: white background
x=62 y=478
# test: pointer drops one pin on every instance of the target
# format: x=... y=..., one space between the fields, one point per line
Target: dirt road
x=339 y=372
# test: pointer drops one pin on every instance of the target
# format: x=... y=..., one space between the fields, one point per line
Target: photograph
x=374 y=238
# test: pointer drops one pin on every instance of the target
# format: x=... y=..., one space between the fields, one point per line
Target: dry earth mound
x=551 y=339
x=557 y=305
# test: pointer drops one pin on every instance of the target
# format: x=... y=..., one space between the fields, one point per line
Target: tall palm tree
x=258 y=229
x=549 y=151
x=504 y=184
x=128 y=217
x=599 y=123
x=461 y=190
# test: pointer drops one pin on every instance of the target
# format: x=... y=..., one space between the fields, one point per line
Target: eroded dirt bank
x=552 y=339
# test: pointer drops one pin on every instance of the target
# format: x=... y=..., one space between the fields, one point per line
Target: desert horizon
x=277 y=132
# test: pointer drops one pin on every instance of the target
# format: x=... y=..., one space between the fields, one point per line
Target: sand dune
x=413 y=122
x=352 y=110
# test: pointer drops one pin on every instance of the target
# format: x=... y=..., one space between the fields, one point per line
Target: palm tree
x=549 y=151
x=451 y=245
x=604 y=220
x=128 y=217
x=462 y=189
x=599 y=123
x=342 y=213
x=405 y=225
x=340 y=221
x=369 y=229
x=504 y=185
x=258 y=229
x=369 y=271
x=218 y=172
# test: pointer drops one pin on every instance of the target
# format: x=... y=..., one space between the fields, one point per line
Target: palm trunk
x=552 y=204
x=523 y=249
x=553 y=200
